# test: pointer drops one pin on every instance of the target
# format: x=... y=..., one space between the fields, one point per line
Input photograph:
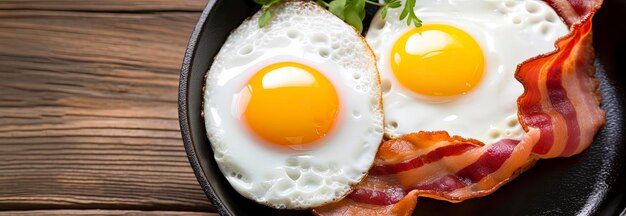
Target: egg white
x=508 y=33
x=303 y=32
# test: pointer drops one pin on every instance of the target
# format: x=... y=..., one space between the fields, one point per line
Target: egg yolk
x=289 y=104
x=437 y=60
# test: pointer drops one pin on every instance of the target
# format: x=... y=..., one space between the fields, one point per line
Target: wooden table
x=88 y=108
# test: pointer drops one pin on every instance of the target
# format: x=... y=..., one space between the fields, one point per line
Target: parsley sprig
x=409 y=14
x=266 y=16
x=351 y=11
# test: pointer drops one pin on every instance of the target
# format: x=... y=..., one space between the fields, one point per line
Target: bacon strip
x=560 y=97
x=454 y=169
x=574 y=11
x=559 y=111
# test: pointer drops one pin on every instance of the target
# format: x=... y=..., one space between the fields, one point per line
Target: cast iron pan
x=591 y=183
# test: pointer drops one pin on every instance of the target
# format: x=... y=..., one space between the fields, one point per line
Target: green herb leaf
x=337 y=7
x=350 y=11
x=265 y=18
x=389 y=4
x=355 y=20
x=266 y=2
x=409 y=13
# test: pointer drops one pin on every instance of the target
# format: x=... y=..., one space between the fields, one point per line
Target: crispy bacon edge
x=453 y=169
x=560 y=91
x=560 y=110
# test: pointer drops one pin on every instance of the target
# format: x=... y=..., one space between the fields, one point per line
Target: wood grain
x=103 y=212
x=88 y=107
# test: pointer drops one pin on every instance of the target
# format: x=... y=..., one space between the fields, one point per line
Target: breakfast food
x=456 y=72
x=472 y=98
x=293 y=110
x=558 y=110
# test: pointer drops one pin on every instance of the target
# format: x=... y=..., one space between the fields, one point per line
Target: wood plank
x=88 y=111
x=105 y=5
x=103 y=212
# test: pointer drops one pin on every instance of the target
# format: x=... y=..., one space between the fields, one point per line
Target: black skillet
x=592 y=183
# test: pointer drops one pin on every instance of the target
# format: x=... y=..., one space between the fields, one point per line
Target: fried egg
x=456 y=72
x=293 y=110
